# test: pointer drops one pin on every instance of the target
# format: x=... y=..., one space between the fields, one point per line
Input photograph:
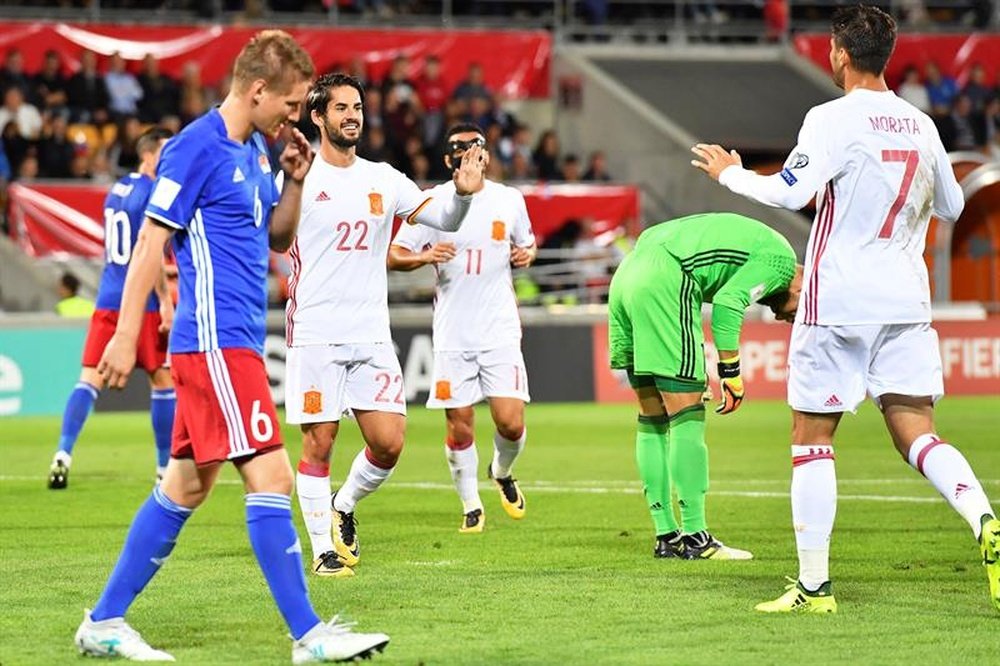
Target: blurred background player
x=71 y=304
x=123 y=215
x=655 y=335
x=477 y=331
x=878 y=170
x=216 y=197
x=340 y=353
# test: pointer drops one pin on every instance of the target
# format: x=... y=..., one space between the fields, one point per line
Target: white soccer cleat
x=114 y=638
x=335 y=641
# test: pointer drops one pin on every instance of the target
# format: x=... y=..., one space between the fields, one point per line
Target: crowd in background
x=967 y=116
x=84 y=124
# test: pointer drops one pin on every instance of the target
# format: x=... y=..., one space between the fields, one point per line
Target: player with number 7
x=879 y=171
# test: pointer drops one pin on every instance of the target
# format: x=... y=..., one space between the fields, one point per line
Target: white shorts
x=832 y=368
x=466 y=378
x=323 y=382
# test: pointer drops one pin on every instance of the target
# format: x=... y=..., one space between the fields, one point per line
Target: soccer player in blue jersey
x=216 y=197
x=123 y=215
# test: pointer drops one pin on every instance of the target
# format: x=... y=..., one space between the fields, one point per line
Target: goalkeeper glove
x=730 y=385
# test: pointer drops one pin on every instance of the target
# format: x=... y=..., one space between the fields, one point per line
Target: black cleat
x=473 y=522
x=58 y=475
x=704 y=546
x=669 y=545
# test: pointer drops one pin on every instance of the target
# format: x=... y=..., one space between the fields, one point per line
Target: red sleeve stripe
x=412 y=217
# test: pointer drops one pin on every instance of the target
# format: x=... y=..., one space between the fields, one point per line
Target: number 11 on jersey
x=473 y=262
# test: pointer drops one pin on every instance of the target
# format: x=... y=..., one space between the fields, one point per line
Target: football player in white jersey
x=878 y=169
x=477 y=331
x=340 y=353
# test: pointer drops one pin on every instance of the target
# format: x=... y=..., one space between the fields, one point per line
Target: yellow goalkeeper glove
x=730 y=385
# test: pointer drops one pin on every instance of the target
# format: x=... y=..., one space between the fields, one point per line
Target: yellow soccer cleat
x=345 y=537
x=473 y=522
x=989 y=543
x=797 y=600
x=329 y=565
x=511 y=498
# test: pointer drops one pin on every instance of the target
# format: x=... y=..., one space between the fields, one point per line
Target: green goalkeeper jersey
x=735 y=260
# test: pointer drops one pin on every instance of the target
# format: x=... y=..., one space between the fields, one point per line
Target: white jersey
x=338 y=286
x=879 y=170
x=475 y=308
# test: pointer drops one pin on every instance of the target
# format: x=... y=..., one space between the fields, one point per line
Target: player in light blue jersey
x=216 y=198
x=123 y=215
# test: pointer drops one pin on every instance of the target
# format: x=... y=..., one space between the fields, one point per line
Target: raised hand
x=715 y=158
x=471 y=173
x=297 y=156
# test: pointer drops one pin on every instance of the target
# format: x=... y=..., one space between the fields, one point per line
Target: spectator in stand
x=357 y=68
x=597 y=168
x=79 y=168
x=396 y=80
x=420 y=168
x=28 y=171
x=978 y=92
x=571 y=169
x=941 y=89
x=49 y=86
x=161 y=96
x=401 y=122
x=968 y=126
x=15 y=109
x=56 y=149
x=172 y=123
x=15 y=145
x=124 y=91
x=433 y=93
x=194 y=102
x=992 y=121
x=100 y=169
x=5 y=172
x=546 y=156
x=913 y=90
x=373 y=146
x=374 y=109
x=474 y=86
x=12 y=75
x=124 y=156
x=480 y=112
x=520 y=168
x=87 y=93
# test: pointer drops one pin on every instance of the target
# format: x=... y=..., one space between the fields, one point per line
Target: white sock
x=363 y=479
x=814 y=506
x=505 y=452
x=314 y=500
x=464 y=463
x=63 y=457
x=949 y=472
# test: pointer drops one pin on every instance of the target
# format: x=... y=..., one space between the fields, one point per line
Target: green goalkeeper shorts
x=654 y=323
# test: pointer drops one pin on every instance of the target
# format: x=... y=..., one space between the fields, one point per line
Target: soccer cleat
x=797 y=599
x=473 y=522
x=58 y=475
x=989 y=543
x=335 y=641
x=704 y=546
x=511 y=498
x=114 y=638
x=345 y=536
x=669 y=545
x=328 y=564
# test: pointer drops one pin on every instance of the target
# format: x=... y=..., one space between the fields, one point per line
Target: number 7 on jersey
x=912 y=159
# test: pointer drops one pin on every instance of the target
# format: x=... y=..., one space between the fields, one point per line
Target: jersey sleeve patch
x=165 y=193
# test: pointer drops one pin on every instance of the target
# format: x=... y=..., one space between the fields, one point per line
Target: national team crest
x=265 y=164
x=499 y=230
x=312 y=402
x=442 y=390
x=375 y=203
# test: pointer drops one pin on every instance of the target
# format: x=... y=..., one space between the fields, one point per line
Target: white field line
x=618 y=487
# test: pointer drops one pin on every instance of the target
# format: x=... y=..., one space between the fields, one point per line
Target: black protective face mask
x=457 y=148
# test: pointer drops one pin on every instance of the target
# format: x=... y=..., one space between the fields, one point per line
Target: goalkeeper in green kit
x=655 y=334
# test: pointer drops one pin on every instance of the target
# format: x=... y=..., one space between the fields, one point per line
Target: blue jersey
x=218 y=195
x=123 y=215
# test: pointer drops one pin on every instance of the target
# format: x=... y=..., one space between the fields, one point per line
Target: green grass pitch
x=574 y=582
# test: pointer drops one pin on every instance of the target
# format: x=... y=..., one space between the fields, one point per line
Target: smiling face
x=273 y=109
x=343 y=121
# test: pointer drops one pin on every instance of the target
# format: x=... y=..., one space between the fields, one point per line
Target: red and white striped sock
x=949 y=472
x=814 y=507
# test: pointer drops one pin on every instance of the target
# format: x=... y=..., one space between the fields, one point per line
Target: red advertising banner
x=954 y=53
x=970 y=353
x=61 y=217
x=515 y=63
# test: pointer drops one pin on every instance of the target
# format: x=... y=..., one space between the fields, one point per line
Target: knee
x=316 y=450
x=511 y=427
x=189 y=494
x=387 y=451
x=460 y=432
x=281 y=481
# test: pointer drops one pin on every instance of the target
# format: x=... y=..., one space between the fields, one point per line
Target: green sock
x=651 y=443
x=689 y=465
